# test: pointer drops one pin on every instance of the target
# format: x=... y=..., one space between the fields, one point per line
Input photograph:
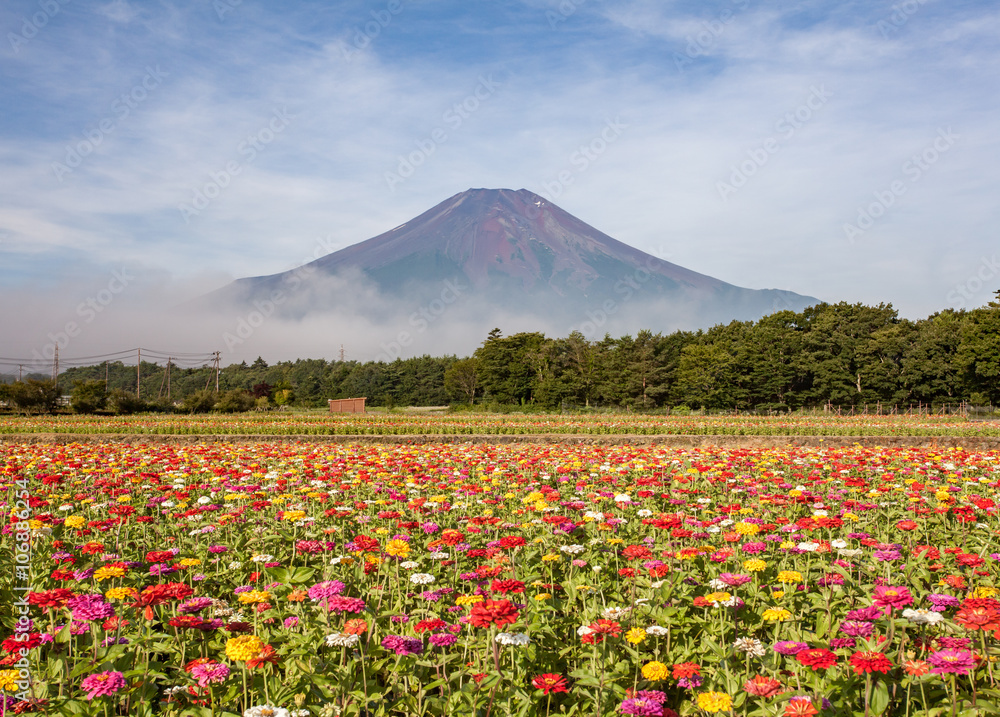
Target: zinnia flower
x=102 y=684
x=714 y=701
x=959 y=662
x=817 y=658
x=549 y=682
x=243 y=648
x=763 y=686
x=493 y=612
x=655 y=671
x=869 y=661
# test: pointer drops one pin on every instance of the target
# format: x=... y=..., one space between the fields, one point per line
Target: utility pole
x=168 y=378
x=218 y=358
x=138 y=370
x=342 y=353
x=55 y=368
x=20 y=371
x=105 y=376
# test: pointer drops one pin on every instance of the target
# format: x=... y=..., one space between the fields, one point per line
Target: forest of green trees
x=844 y=355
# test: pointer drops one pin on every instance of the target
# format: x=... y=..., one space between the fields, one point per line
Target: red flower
x=159 y=556
x=978 y=618
x=512 y=541
x=550 y=683
x=817 y=658
x=493 y=612
x=50 y=598
x=869 y=661
x=685 y=669
x=507 y=586
x=637 y=552
x=267 y=656
x=763 y=686
x=907 y=525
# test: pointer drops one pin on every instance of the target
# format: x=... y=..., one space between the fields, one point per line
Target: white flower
x=717 y=584
x=623 y=498
x=845 y=553
x=657 y=585
x=615 y=613
x=165 y=504
x=808 y=547
x=656 y=631
x=594 y=515
x=262 y=558
x=235 y=565
x=266 y=711
x=66 y=507
x=338 y=639
x=438 y=556
x=644 y=513
x=572 y=549
x=583 y=630
x=923 y=617
x=421 y=579
x=838 y=543
x=514 y=639
x=406 y=564
x=204 y=500
x=750 y=645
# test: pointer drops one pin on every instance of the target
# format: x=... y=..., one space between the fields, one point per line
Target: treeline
x=843 y=355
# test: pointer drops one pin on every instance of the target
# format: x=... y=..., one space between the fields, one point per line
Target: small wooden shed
x=347 y=405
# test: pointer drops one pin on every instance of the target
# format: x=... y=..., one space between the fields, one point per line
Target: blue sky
x=844 y=150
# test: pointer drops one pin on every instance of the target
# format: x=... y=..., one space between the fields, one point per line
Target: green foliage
x=124 y=403
x=235 y=401
x=201 y=401
x=88 y=396
x=31 y=396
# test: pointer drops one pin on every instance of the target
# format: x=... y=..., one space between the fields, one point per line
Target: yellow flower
x=255 y=596
x=984 y=591
x=550 y=558
x=108 y=571
x=636 y=635
x=776 y=614
x=746 y=528
x=398 y=548
x=189 y=562
x=778 y=594
x=468 y=599
x=243 y=648
x=654 y=671
x=75 y=521
x=543 y=596
x=754 y=566
x=715 y=701
x=293 y=515
x=718 y=597
x=789 y=576
x=121 y=594
x=8 y=680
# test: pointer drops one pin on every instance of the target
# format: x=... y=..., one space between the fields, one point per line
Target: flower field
x=395 y=424
x=299 y=579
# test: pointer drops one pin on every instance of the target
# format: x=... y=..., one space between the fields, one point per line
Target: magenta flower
x=342 y=604
x=959 y=662
x=735 y=579
x=403 y=645
x=90 y=607
x=102 y=684
x=888 y=596
x=789 y=647
x=209 y=673
x=324 y=591
x=443 y=639
x=639 y=706
x=856 y=628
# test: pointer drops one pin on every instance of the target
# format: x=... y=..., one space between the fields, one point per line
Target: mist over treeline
x=843 y=355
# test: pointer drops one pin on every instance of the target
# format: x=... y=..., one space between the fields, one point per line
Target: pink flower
x=102 y=684
x=886 y=596
x=959 y=662
x=210 y=673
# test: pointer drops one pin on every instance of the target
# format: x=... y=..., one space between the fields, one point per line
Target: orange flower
x=297 y=595
x=356 y=626
x=916 y=667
